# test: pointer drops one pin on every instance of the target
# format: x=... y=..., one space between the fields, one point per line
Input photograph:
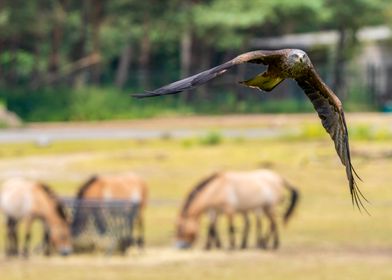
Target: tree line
x=135 y=44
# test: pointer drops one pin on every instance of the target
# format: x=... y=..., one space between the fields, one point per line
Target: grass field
x=326 y=239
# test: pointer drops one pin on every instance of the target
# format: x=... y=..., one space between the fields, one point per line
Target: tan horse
x=124 y=187
x=234 y=192
x=29 y=200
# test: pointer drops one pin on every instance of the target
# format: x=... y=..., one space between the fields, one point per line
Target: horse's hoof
x=140 y=242
x=262 y=246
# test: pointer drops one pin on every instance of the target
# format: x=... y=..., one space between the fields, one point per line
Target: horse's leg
x=7 y=239
x=218 y=243
x=12 y=236
x=133 y=220
x=269 y=231
x=209 y=238
x=212 y=234
x=210 y=230
x=260 y=242
x=230 y=219
x=99 y=219
x=245 y=234
x=27 y=238
x=46 y=241
x=273 y=228
x=140 y=225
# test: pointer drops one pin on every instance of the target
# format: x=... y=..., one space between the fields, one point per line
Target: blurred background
x=67 y=69
x=55 y=55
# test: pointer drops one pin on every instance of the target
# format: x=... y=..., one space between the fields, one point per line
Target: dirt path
x=169 y=256
x=226 y=121
x=246 y=126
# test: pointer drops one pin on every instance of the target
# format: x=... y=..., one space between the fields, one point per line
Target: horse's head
x=60 y=237
x=187 y=228
x=55 y=219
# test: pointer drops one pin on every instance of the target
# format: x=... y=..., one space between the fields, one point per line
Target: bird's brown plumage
x=283 y=64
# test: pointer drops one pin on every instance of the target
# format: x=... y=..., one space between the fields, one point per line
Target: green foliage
x=382 y=134
x=96 y=104
x=312 y=131
x=87 y=104
x=212 y=138
x=362 y=132
x=93 y=103
x=234 y=14
x=354 y=13
x=188 y=143
x=232 y=20
x=368 y=132
x=42 y=80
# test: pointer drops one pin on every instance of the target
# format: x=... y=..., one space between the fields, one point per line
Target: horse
x=230 y=193
x=28 y=200
x=111 y=188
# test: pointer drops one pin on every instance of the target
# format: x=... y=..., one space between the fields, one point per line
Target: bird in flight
x=286 y=64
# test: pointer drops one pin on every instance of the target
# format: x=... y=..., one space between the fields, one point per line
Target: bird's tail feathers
x=264 y=81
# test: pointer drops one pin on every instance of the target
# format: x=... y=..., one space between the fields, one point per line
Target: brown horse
x=106 y=188
x=29 y=200
x=235 y=192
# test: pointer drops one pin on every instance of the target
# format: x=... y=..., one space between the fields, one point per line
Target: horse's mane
x=58 y=204
x=195 y=191
x=85 y=186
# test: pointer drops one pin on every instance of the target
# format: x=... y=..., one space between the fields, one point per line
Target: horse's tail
x=79 y=213
x=294 y=196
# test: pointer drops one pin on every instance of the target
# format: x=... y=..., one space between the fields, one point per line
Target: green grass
x=108 y=103
x=326 y=239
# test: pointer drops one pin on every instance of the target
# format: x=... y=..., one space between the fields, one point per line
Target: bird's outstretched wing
x=330 y=111
x=261 y=57
x=325 y=102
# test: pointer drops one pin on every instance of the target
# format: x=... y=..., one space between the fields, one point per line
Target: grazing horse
x=235 y=192
x=107 y=188
x=29 y=200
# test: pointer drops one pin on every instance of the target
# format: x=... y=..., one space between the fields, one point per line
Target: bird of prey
x=286 y=64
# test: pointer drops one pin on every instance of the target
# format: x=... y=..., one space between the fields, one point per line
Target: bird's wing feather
x=330 y=111
x=264 y=57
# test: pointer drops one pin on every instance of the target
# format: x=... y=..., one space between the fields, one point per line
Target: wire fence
x=101 y=225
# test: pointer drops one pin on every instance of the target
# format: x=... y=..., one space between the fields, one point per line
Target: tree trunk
x=339 y=78
x=12 y=73
x=35 y=77
x=123 y=65
x=96 y=20
x=205 y=63
x=2 y=72
x=78 y=50
x=145 y=53
x=54 y=58
x=186 y=52
x=240 y=91
x=186 y=60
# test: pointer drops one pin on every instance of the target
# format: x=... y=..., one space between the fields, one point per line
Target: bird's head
x=298 y=61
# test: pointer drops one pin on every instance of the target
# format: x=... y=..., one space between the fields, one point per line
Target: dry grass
x=327 y=238
x=168 y=264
